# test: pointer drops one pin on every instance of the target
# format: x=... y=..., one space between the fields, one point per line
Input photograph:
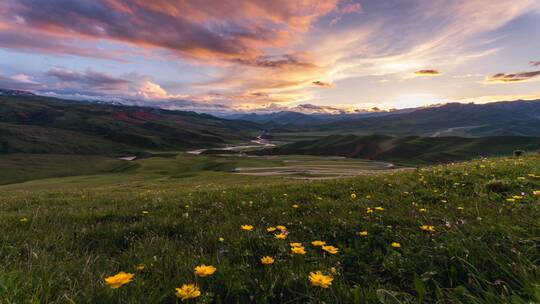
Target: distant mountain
x=280 y=118
x=302 y=119
x=6 y=92
x=34 y=124
x=516 y=118
x=409 y=149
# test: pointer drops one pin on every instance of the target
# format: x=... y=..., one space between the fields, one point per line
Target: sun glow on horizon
x=334 y=55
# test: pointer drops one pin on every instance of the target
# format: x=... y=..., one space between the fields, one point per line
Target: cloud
x=496 y=98
x=512 y=78
x=257 y=52
x=284 y=61
x=468 y=76
x=303 y=108
x=427 y=73
x=350 y=8
x=28 y=40
x=91 y=83
x=19 y=82
x=535 y=63
x=148 y=89
x=222 y=30
x=324 y=84
x=90 y=79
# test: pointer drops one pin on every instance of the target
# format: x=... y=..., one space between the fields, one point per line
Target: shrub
x=518 y=153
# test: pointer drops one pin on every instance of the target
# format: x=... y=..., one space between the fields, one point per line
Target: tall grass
x=58 y=246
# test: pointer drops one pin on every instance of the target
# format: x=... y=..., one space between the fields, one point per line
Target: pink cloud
x=223 y=30
x=351 y=8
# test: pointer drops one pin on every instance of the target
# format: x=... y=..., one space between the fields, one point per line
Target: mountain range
x=34 y=124
x=516 y=118
x=37 y=124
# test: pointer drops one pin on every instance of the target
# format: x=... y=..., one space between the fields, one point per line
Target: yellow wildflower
x=280 y=236
x=295 y=206
x=460 y=208
x=271 y=229
x=330 y=249
x=267 y=260
x=140 y=267
x=511 y=200
x=427 y=228
x=295 y=244
x=221 y=239
x=246 y=227
x=281 y=227
x=119 y=279
x=319 y=279
x=23 y=220
x=187 y=291
x=536 y=193
x=298 y=250
x=353 y=195
x=363 y=233
x=395 y=245
x=318 y=243
x=422 y=210
x=379 y=208
x=145 y=212
x=369 y=210
x=204 y=270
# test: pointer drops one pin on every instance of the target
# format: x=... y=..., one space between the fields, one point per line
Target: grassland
x=46 y=171
x=408 y=150
x=62 y=236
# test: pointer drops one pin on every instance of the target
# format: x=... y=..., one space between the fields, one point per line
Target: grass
x=18 y=168
x=408 y=150
x=58 y=244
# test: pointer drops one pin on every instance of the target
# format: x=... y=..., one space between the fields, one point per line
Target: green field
x=407 y=150
x=62 y=236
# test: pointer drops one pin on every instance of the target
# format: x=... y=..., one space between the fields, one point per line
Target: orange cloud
x=217 y=30
x=512 y=78
x=427 y=73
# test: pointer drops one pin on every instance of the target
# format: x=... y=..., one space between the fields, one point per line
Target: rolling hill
x=409 y=149
x=34 y=124
x=515 y=118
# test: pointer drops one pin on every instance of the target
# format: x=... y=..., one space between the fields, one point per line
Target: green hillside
x=515 y=118
x=32 y=124
x=463 y=233
x=409 y=149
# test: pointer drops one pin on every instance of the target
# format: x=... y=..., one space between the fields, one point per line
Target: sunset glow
x=259 y=55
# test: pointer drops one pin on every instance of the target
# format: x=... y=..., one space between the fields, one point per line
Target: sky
x=329 y=56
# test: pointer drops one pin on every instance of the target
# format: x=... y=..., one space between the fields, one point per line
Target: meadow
x=456 y=233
